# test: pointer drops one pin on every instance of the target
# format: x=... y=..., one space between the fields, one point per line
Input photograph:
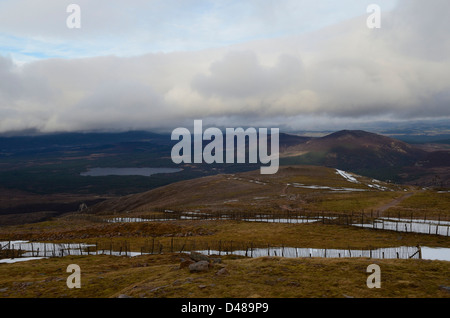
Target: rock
x=201 y=286
x=216 y=260
x=198 y=257
x=2 y=290
x=201 y=266
x=185 y=263
x=25 y=284
x=158 y=288
x=124 y=296
x=222 y=272
x=347 y=296
x=445 y=288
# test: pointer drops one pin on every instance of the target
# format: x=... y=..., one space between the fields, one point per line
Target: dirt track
x=394 y=202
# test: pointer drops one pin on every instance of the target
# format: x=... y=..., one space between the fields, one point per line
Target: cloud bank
x=341 y=73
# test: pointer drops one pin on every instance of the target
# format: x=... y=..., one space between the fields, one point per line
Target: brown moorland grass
x=160 y=276
x=245 y=190
x=211 y=233
x=431 y=204
x=54 y=231
x=270 y=277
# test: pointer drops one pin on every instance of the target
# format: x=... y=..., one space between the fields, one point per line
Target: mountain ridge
x=355 y=149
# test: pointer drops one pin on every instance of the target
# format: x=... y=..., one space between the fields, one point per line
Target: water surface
x=146 y=172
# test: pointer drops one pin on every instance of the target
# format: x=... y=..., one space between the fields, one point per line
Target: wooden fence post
x=153 y=244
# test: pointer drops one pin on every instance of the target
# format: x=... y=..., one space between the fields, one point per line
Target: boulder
x=197 y=267
x=198 y=257
x=185 y=263
x=445 y=288
x=222 y=272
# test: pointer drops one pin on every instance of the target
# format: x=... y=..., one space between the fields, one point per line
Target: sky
x=157 y=65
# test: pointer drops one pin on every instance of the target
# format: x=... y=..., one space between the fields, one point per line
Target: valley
x=310 y=230
x=150 y=236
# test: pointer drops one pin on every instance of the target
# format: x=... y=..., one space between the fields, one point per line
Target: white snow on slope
x=15 y=260
x=374 y=185
x=347 y=176
x=379 y=187
x=318 y=187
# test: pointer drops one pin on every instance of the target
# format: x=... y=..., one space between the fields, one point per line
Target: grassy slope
x=161 y=276
x=213 y=193
x=430 y=203
x=137 y=235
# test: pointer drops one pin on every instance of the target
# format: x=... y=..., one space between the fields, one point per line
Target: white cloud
x=344 y=72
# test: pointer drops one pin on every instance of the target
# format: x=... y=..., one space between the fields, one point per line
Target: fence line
x=180 y=245
x=373 y=220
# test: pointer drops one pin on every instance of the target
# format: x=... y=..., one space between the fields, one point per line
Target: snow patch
x=15 y=260
x=317 y=187
x=378 y=187
x=347 y=176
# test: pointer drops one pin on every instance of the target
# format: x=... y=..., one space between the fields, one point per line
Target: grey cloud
x=345 y=72
x=420 y=29
x=11 y=85
x=18 y=84
x=240 y=75
x=117 y=105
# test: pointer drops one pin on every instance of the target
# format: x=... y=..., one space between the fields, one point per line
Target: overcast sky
x=157 y=65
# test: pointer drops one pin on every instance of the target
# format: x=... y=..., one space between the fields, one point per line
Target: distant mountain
x=357 y=151
x=423 y=139
x=288 y=140
x=57 y=141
